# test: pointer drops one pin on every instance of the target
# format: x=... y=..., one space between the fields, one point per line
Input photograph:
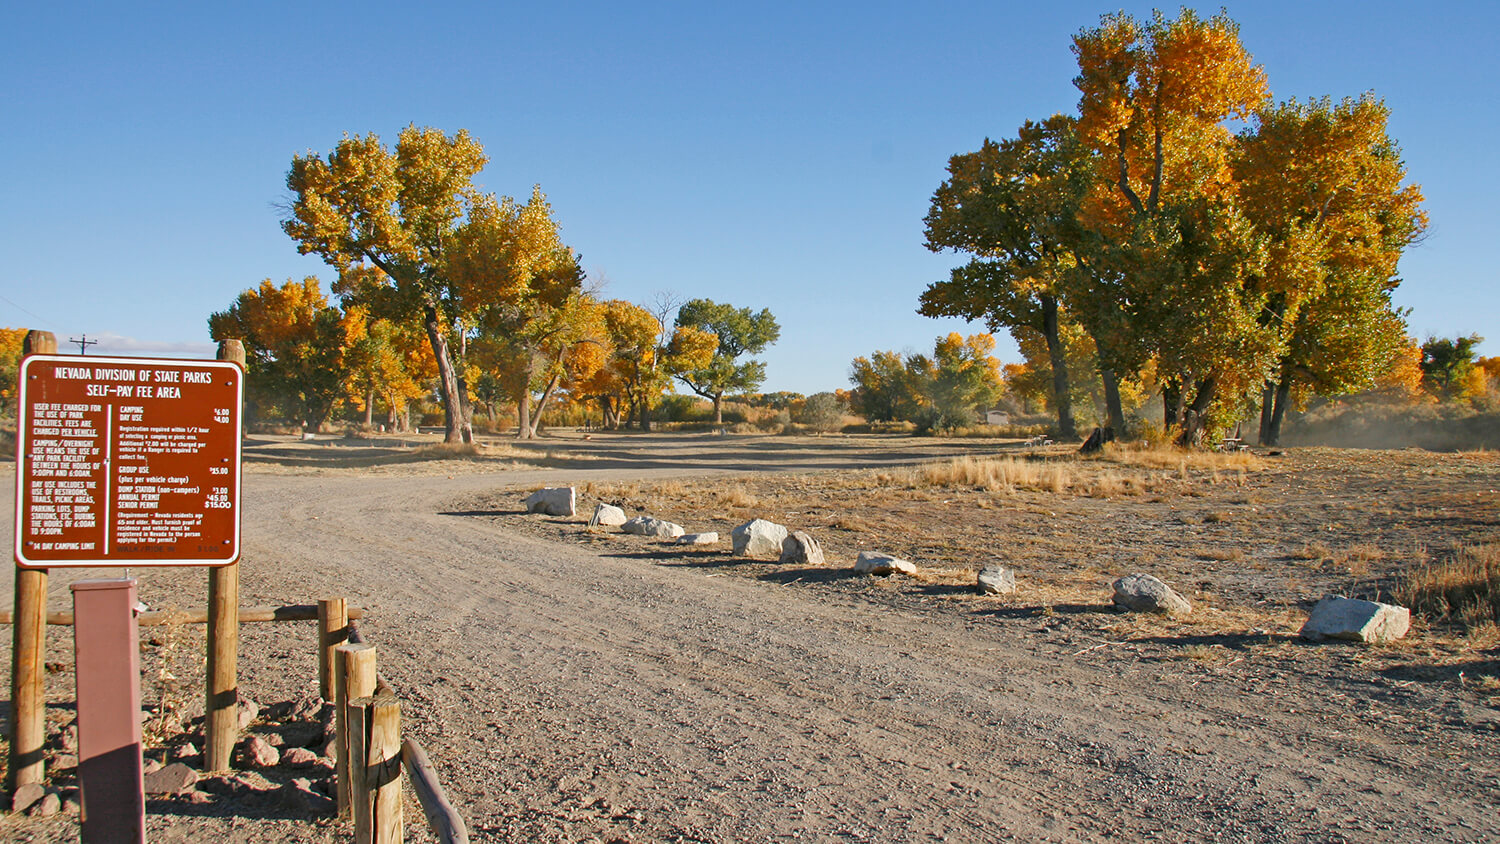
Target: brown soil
x=577 y=685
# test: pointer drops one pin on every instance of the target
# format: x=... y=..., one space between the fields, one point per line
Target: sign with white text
x=127 y=461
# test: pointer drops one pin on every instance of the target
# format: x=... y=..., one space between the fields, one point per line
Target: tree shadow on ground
x=682 y=558
x=1234 y=641
x=489 y=513
x=1043 y=610
x=808 y=575
x=1443 y=673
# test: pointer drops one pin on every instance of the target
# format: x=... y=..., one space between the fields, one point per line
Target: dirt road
x=569 y=695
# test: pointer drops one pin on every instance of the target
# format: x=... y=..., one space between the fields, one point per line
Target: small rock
x=248 y=711
x=197 y=797
x=47 y=806
x=757 y=537
x=607 y=515
x=276 y=740
x=173 y=779
x=997 y=580
x=236 y=785
x=874 y=562
x=72 y=801
x=186 y=750
x=256 y=752
x=64 y=761
x=299 y=757
x=26 y=796
x=301 y=734
x=801 y=549
x=552 y=501
x=299 y=796
x=68 y=739
x=647 y=526
x=1337 y=617
x=698 y=539
x=149 y=765
x=1144 y=593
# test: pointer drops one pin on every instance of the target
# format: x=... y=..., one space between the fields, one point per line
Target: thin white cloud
x=109 y=343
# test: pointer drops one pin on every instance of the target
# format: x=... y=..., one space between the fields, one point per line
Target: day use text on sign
x=127 y=461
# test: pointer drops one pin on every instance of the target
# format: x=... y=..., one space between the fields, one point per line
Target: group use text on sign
x=127 y=461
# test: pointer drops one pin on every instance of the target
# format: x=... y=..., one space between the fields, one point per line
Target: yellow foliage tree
x=12 y=341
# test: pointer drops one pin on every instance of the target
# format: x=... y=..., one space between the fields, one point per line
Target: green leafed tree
x=740 y=331
x=294 y=348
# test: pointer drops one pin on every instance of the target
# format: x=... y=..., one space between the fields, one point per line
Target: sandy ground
x=570 y=689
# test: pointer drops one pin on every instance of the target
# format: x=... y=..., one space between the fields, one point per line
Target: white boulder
x=1337 y=617
x=1144 y=593
x=757 y=537
x=648 y=526
x=607 y=515
x=709 y=538
x=997 y=580
x=874 y=562
x=802 y=549
x=553 y=501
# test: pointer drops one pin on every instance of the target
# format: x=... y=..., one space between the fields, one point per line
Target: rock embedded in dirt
x=1144 y=593
x=248 y=710
x=299 y=757
x=648 y=526
x=256 y=752
x=552 y=501
x=801 y=549
x=26 y=796
x=46 y=807
x=175 y=778
x=874 y=562
x=1351 y=619
x=757 y=537
x=710 y=538
x=996 y=580
x=299 y=796
x=607 y=515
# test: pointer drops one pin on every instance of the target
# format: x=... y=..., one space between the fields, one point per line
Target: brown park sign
x=127 y=461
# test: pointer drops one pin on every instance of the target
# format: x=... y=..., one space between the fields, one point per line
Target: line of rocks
x=1334 y=618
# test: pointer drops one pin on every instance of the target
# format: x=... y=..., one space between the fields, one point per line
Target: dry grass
x=736 y=496
x=1008 y=475
x=1464 y=590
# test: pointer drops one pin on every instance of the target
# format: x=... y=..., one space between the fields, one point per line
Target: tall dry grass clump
x=1009 y=474
x=1464 y=589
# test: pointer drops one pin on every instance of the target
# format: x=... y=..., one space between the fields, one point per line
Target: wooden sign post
x=125 y=462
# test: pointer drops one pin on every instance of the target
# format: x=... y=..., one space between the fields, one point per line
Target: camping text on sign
x=127 y=461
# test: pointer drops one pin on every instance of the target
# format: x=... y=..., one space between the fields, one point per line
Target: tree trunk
x=1267 y=406
x=369 y=408
x=536 y=421
x=1193 y=422
x=718 y=408
x=1114 y=409
x=1061 y=397
x=457 y=428
x=645 y=409
x=1171 y=404
x=1283 y=395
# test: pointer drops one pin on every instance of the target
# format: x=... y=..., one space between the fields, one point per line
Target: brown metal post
x=333 y=630
x=106 y=656
x=28 y=640
x=221 y=698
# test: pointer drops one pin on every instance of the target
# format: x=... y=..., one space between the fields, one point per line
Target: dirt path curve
x=569 y=696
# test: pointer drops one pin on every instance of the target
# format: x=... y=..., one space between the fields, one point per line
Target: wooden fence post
x=221 y=696
x=333 y=630
x=359 y=767
x=383 y=763
x=28 y=640
x=354 y=679
x=375 y=769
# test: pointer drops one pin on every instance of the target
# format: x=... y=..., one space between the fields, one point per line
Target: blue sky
x=776 y=155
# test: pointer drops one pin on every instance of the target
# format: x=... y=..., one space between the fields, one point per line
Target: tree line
x=443 y=288
x=1145 y=243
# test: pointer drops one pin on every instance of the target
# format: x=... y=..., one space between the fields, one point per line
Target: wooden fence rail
x=292 y=612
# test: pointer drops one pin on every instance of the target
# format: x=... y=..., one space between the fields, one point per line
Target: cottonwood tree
x=386 y=361
x=294 y=348
x=1013 y=205
x=1174 y=248
x=12 y=340
x=739 y=331
x=1324 y=183
x=883 y=388
x=396 y=210
x=1448 y=367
